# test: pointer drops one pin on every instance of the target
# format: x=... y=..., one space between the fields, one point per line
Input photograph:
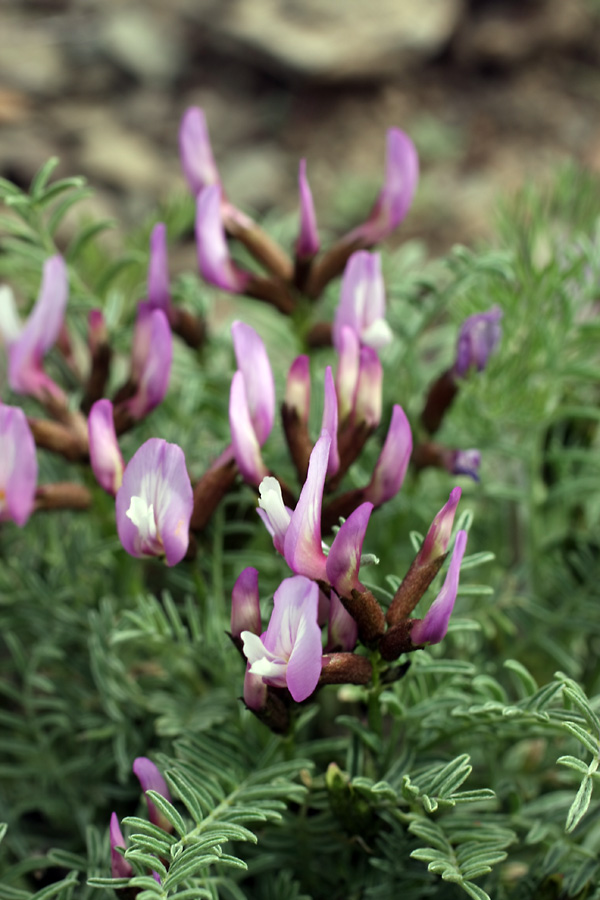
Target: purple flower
x=289 y=653
x=362 y=302
x=342 y=630
x=297 y=534
x=159 y=294
x=18 y=466
x=438 y=537
x=155 y=502
x=330 y=422
x=395 y=198
x=297 y=388
x=28 y=344
x=196 y=155
x=393 y=460
x=120 y=868
x=151 y=357
x=462 y=462
x=308 y=242
x=432 y=629
x=105 y=455
x=245 y=603
x=151 y=780
x=214 y=260
x=251 y=402
x=477 y=340
x=343 y=561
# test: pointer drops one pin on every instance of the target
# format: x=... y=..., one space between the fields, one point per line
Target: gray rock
x=143 y=44
x=336 y=40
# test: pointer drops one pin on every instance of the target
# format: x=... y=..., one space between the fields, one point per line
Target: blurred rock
x=333 y=41
x=254 y=178
x=31 y=59
x=144 y=45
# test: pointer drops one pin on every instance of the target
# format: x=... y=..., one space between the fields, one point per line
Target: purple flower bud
x=330 y=422
x=367 y=402
x=245 y=604
x=28 y=344
x=151 y=357
x=151 y=780
x=395 y=198
x=196 y=155
x=393 y=460
x=298 y=535
x=308 y=242
x=120 y=868
x=105 y=455
x=297 y=389
x=477 y=340
x=255 y=690
x=18 y=466
x=362 y=302
x=289 y=653
x=214 y=260
x=346 y=377
x=463 y=462
x=97 y=332
x=159 y=295
x=432 y=629
x=438 y=537
x=155 y=502
x=343 y=561
x=253 y=363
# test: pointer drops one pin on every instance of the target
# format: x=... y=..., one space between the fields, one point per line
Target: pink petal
x=18 y=466
x=253 y=362
x=246 y=448
x=362 y=301
x=330 y=422
x=367 y=403
x=151 y=780
x=197 y=160
x=343 y=561
x=432 y=629
x=272 y=511
x=293 y=634
x=159 y=295
x=308 y=242
x=438 y=537
x=302 y=545
x=154 y=334
x=245 y=603
x=342 y=632
x=213 y=254
x=120 y=868
x=297 y=389
x=393 y=460
x=105 y=455
x=346 y=377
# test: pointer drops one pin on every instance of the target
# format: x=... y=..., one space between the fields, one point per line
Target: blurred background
x=492 y=91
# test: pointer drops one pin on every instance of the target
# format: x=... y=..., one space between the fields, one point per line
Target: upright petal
x=151 y=780
x=196 y=155
x=438 y=537
x=297 y=388
x=213 y=254
x=478 y=338
x=308 y=242
x=368 y=399
x=18 y=466
x=346 y=377
x=343 y=561
x=395 y=198
x=342 y=631
x=120 y=868
x=105 y=455
x=303 y=549
x=154 y=503
x=155 y=367
x=362 y=301
x=159 y=295
x=253 y=363
x=432 y=629
x=273 y=512
x=246 y=448
x=393 y=460
x=245 y=603
x=330 y=422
